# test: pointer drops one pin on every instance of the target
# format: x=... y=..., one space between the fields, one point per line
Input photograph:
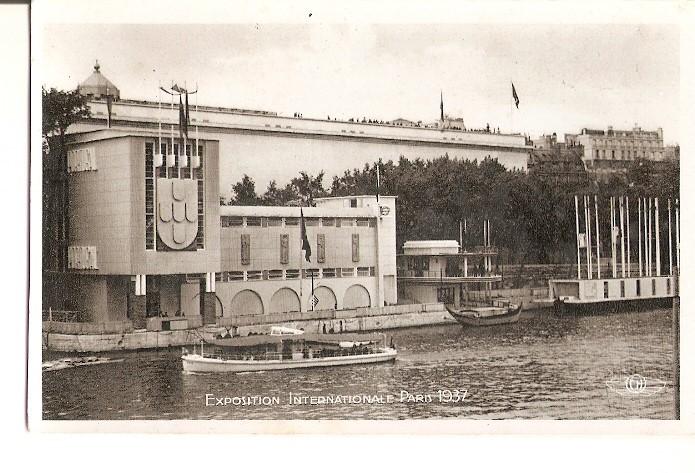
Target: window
x=668 y=286
x=653 y=287
x=353 y=203
x=291 y=221
x=150 y=226
x=362 y=271
x=275 y=274
x=362 y=222
x=622 y=288
x=274 y=222
x=605 y=289
x=235 y=275
x=347 y=222
x=328 y=222
x=310 y=272
x=355 y=247
x=231 y=221
x=329 y=272
x=612 y=154
x=347 y=272
x=311 y=222
x=253 y=221
x=292 y=274
x=254 y=275
x=638 y=288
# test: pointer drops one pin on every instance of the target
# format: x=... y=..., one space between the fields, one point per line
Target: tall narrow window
x=198 y=174
x=150 y=228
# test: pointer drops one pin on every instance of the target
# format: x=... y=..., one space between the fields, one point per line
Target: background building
x=268 y=146
x=609 y=152
x=556 y=162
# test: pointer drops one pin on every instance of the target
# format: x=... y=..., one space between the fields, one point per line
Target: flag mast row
x=184 y=120
x=648 y=236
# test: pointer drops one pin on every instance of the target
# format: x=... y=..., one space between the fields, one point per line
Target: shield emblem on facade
x=177 y=212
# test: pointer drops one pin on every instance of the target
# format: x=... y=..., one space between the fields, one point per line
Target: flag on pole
x=441 y=105
x=188 y=119
x=109 y=102
x=305 y=241
x=183 y=130
x=314 y=301
x=515 y=96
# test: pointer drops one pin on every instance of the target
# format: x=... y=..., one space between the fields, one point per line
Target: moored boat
x=503 y=312
x=279 y=352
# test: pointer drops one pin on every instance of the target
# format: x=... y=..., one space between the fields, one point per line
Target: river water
x=540 y=368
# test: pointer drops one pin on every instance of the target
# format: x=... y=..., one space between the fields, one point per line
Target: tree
x=244 y=192
x=277 y=196
x=309 y=187
x=60 y=110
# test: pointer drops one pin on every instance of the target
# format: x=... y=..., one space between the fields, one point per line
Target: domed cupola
x=97 y=86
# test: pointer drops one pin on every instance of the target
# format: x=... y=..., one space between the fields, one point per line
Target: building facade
x=147 y=237
x=610 y=152
x=443 y=271
x=556 y=162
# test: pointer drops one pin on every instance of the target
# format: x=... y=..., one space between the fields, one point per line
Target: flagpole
x=196 y=122
x=108 y=109
x=301 y=261
x=171 y=127
x=159 y=118
x=185 y=118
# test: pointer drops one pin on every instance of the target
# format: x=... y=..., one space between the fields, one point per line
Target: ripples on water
x=541 y=368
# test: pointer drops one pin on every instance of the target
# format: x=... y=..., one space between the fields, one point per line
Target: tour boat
x=501 y=312
x=286 y=351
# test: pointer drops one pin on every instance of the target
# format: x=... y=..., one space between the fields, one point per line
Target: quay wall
x=355 y=320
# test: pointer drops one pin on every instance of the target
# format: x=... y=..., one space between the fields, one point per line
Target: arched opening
x=284 y=300
x=326 y=298
x=356 y=296
x=246 y=302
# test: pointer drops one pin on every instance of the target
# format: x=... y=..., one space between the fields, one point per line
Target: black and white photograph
x=337 y=219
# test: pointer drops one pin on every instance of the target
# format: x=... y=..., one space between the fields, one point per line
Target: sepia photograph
x=356 y=221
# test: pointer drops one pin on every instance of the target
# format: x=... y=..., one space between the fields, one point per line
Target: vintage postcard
x=443 y=221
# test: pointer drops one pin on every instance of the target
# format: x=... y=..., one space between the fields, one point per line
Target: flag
x=176 y=88
x=109 y=103
x=314 y=301
x=516 y=97
x=305 y=241
x=183 y=129
x=441 y=105
x=188 y=115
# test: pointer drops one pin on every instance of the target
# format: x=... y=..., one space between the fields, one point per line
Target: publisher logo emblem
x=635 y=385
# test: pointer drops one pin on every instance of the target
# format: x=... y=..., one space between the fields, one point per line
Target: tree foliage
x=61 y=109
x=532 y=220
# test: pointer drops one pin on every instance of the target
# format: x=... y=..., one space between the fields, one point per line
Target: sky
x=567 y=76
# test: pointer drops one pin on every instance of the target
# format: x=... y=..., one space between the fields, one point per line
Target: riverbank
x=88 y=338
x=329 y=321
